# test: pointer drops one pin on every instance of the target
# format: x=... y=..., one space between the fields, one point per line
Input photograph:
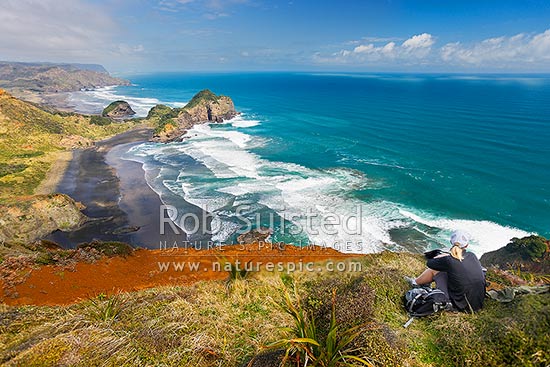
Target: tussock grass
x=204 y=325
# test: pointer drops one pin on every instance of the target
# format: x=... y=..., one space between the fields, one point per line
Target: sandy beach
x=58 y=101
x=55 y=174
x=120 y=204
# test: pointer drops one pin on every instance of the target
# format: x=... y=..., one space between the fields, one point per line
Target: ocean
x=409 y=158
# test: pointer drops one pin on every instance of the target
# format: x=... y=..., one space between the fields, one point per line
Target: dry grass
x=205 y=325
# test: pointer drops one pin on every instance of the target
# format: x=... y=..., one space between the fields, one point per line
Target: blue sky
x=225 y=35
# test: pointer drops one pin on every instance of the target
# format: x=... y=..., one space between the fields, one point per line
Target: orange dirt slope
x=57 y=285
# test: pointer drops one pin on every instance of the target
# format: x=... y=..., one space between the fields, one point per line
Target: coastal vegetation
x=31 y=138
x=162 y=118
x=526 y=256
x=205 y=106
x=118 y=110
x=204 y=325
x=529 y=248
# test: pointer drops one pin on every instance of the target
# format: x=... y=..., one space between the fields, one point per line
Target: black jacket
x=466 y=281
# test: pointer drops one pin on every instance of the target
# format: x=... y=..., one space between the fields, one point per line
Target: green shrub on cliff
x=159 y=111
x=161 y=115
x=203 y=95
x=531 y=247
x=100 y=120
x=8 y=169
x=111 y=107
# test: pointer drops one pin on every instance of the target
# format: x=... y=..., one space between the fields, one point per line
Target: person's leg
x=441 y=281
x=426 y=277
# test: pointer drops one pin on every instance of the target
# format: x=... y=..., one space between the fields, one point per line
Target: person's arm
x=439 y=263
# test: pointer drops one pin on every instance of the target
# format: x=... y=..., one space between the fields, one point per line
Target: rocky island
x=118 y=110
x=204 y=107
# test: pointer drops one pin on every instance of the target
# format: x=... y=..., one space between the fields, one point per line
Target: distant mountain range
x=51 y=77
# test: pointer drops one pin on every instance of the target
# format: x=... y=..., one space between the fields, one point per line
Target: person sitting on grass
x=458 y=274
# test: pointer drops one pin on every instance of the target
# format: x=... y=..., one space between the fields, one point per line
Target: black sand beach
x=121 y=205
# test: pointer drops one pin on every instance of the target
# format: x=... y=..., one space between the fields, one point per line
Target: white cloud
x=522 y=52
x=414 y=48
x=55 y=30
x=423 y=40
x=501 y=52
x=364 y=48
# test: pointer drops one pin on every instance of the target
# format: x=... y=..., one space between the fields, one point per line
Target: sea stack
x=118 y=110
x=204 y=107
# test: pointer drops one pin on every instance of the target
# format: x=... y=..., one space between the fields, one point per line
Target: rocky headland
x=528 y=254
x=54 y=78
x=37 y=216
x=172 y=123
x=48 y=84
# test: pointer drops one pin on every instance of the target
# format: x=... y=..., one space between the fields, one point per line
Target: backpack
x=424 y=301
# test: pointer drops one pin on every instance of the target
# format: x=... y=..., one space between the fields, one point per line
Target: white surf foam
x=93 y=101
x=286 y=188
x=240 y=122
x=290 y=190
x=486 y=235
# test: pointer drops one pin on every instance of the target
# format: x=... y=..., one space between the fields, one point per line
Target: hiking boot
x=411 y=281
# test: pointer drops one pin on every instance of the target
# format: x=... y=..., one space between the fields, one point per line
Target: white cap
x=460 y=238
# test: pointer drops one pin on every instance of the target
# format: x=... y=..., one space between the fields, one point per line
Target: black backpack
x=426 y=301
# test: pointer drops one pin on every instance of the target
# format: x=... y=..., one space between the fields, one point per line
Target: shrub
x=531 y=247
x=354 y=297
x=100 y=120
x=203 y=95
x=307 y=344
x=111 y=107
x=103 y=308
x=8 y=169
x=108 y=248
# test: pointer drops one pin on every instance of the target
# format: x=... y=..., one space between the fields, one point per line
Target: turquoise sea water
x=421 y=155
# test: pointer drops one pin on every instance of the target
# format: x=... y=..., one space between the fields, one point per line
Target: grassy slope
x=30 y=137
x=210 y=325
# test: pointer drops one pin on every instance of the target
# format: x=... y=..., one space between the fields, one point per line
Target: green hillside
x=30 y=138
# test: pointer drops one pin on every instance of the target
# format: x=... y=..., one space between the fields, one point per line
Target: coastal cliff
x=53 y=78
x=203 y=317
x=171 y=123
x=37 y=216
x=531 y=254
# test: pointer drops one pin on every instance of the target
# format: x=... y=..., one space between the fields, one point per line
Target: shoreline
x=58 y=101
x=55 y=173
x=119 y=202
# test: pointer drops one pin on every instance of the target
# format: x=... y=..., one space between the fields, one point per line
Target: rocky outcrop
x=118 y=110
x=33 y=217
x=531 y=253
x=258 y=235
x=204 y=107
